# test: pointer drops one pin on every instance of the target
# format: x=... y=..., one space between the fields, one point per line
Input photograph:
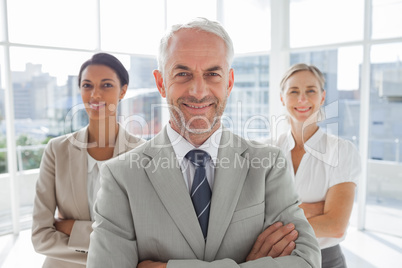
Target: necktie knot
x=198 y=157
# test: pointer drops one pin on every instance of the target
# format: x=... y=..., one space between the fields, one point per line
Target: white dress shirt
x=328 y=161
x=181 y=147
x=93 y=182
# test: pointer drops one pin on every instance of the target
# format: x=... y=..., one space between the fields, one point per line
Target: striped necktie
x=200 y=190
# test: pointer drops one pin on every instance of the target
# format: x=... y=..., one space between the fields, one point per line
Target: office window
x=246 y=111
x=2 y=37
x=319 y=22
x=5 y=197
x=63 y=23
x=386 y=100
x=249 y=24
x=140 y=110
x=387 y=18
x=3 y=141
x=46 y=96
x=178 y=11
x=385 y=151
x=127 y=26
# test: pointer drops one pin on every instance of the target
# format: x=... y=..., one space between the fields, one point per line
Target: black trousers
x=333 y=257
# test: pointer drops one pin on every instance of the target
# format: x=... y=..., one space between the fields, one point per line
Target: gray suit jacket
x=144 y=211
x=62 y=185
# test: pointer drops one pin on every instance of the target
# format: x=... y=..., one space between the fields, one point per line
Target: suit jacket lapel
x=166 y=177
x=78 y=170
x=229 y=179
x=122 y=142
x=125 y=142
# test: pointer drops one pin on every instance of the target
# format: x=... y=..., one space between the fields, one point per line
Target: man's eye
x=108 y=85
x=182 y=74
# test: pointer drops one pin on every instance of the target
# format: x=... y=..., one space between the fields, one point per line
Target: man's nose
x=199 y=88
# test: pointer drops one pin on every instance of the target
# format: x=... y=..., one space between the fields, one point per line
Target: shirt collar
x=291 y=141
x=92 y=162
x=181 y=146
x=314 y=139
x=310 y=142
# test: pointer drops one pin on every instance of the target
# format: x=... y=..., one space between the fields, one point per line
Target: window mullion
x=364 y=114
x=10 y=129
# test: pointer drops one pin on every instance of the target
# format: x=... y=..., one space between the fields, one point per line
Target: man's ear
x=231 y=81
x=159 y=82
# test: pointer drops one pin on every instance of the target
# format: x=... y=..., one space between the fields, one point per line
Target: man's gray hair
x=201 y=24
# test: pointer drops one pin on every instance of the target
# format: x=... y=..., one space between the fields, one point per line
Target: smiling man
x=197 y=195
x=196 y=80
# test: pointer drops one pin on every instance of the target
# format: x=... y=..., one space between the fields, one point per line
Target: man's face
x=196 y=81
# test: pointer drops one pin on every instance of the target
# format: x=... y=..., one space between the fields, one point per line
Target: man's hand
x=276 y=241
x=64 y=226
x=151 y=264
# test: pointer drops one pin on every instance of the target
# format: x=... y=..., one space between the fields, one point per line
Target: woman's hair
x=303 y=67
x=201 y=24
x=110 y=61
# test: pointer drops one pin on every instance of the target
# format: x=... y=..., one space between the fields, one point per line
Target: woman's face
x=101 y=91
x=302 y=96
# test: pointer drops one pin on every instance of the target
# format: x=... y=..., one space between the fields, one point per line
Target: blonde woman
x=69 y=173
x=326 y=168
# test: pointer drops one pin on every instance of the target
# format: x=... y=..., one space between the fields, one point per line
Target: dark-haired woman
x=70 y=169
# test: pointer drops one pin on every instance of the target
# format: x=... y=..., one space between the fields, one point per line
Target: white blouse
x=93 y=182
x=328 y=161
